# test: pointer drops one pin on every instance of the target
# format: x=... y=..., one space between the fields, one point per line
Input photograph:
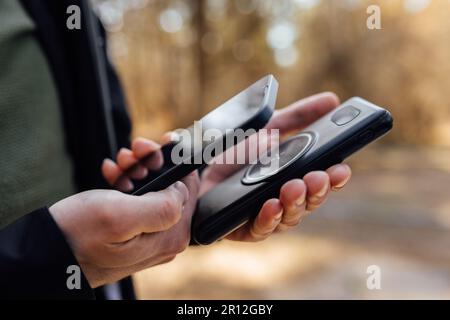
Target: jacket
x=34 y=254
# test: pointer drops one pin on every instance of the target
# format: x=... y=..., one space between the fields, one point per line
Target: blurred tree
x=180 y=58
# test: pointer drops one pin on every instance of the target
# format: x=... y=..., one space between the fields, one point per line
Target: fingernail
x=322 y=191
x=301 y=201
x=181 y=187
x=277 y=219
x=318 y=196
x=342 y=184
x=129 y=186
x=109 y=161
x=279 y=215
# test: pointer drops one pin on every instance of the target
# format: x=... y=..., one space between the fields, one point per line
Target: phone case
x=171 y=172
x=326 y=142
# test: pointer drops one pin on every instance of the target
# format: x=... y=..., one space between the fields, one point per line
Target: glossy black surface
x=250 y=109
x=232 y=203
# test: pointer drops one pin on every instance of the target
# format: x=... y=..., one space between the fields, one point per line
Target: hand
x=297 y=197
x=113 y=235
x=144 y=155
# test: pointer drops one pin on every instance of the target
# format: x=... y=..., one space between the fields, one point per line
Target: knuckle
x=282 y=228
x=313 y=205
x=316 y=201
x=105 y=218
x=259 y=235
x=292 y=222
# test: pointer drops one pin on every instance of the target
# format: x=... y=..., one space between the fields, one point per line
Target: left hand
x=297 y=198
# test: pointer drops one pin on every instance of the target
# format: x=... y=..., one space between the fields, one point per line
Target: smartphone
x=326 y=142
x=250 y=109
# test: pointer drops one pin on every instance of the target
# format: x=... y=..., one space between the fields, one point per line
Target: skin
x=297 y=197
x=114 y=235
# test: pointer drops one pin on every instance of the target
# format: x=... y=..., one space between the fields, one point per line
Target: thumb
x=152 y=212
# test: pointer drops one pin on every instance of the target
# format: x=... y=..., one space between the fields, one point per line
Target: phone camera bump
x=345 y=115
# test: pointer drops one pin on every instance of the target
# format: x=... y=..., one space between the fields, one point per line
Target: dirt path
x=394 y=214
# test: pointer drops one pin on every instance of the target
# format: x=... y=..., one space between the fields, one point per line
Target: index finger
x=148 y=153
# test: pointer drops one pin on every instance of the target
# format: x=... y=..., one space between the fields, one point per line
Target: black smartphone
x=326 y=142
x=250 y=109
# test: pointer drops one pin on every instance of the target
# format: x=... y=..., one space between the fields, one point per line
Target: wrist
x=58 y=213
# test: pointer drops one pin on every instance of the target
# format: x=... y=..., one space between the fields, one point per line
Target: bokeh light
x=281 y=35
x=171 y=20
x=178 y=59
x=415 y=6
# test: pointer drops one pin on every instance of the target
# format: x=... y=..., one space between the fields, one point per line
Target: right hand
x=297 y=198
x=114 y=235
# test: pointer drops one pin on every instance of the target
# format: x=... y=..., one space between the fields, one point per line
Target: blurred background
x=178 y=59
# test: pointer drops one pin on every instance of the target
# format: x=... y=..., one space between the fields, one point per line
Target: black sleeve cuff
x=34 y=261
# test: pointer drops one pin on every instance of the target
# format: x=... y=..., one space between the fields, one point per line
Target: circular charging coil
x=290 y=151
